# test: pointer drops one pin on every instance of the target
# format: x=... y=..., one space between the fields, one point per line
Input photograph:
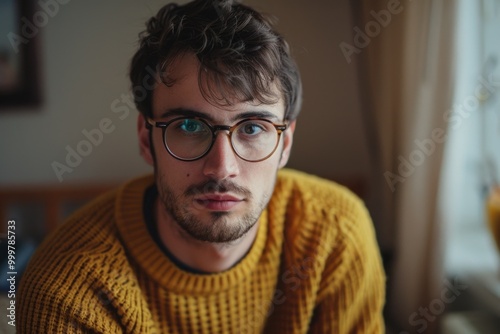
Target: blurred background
x=401 y=103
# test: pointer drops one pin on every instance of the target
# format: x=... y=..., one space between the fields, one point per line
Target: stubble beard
x=222 y=227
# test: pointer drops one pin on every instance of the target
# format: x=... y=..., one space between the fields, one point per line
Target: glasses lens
x=188 y=138
x=255 y=139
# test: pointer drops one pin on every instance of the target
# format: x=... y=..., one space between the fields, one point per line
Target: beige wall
x=85 y=52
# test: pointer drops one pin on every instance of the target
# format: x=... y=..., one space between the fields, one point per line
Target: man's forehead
x=185 y=92
x=215 y=118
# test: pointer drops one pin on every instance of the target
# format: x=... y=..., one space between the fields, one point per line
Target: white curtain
x=408 y=71
x=427 y=89
x=472 y=156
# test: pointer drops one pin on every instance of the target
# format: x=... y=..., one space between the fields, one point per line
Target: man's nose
x=221 y=162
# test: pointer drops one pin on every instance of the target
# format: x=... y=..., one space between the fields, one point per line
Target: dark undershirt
x=150 y=196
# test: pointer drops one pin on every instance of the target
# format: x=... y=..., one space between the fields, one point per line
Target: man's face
x=219 y=197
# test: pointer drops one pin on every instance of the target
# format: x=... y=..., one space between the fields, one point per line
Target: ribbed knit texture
x=314 y=268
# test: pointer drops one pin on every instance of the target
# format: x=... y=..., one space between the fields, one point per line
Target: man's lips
x=218 y=202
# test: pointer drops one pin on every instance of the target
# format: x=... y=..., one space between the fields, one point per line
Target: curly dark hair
x=240 y=53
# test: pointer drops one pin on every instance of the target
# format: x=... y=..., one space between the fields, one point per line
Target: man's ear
x=144 y=142
x=287 y=144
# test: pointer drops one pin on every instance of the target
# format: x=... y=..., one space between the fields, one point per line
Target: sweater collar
x=146 y=253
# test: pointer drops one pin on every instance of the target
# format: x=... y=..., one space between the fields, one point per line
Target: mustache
x=217 y=186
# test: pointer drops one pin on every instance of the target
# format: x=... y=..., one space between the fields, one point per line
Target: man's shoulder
x=94 y=225
x=310 y=203
x=88 y=240
x=316 y=191
x=88 y=230
x=83 y=257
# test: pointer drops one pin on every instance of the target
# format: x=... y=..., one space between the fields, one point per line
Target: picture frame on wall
x=19 y=55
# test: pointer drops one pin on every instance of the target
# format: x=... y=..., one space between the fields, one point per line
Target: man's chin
x=216 y=238
x=217 y=215
x=218 y=228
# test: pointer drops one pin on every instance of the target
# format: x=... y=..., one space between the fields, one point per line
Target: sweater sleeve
x=80 y=281
x=82 y=294
x=352 y=290
x=64 y=299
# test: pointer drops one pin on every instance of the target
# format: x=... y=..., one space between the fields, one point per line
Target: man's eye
x=252 y=129
x=190 y=125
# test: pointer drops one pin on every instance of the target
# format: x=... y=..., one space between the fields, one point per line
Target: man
x=217 y=240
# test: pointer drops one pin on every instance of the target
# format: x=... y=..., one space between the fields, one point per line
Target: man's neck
x=199 y=255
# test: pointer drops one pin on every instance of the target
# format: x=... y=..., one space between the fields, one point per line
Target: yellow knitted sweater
x=314 y=268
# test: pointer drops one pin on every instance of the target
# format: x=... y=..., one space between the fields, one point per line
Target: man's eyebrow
x=186 y=113
x=194 y=113
x=257 y=114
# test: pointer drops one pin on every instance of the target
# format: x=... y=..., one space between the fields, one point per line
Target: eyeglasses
x=191 y=138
